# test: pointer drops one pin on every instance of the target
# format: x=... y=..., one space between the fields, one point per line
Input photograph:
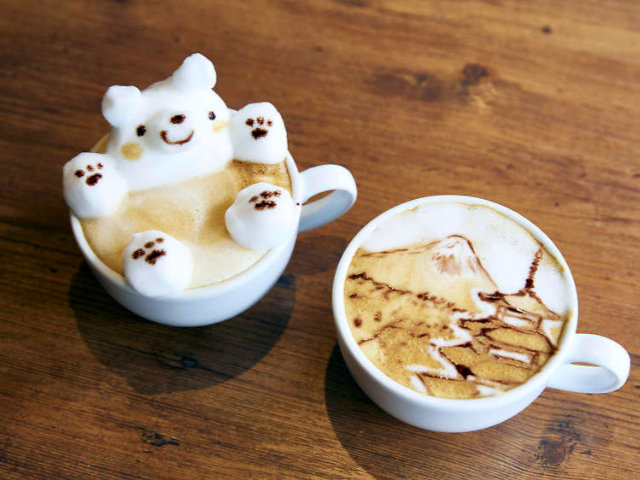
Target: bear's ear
x=195 y=73
x=120 y=103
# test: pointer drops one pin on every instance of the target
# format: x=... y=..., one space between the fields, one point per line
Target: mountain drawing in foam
x=441 y=269
x=422 y=304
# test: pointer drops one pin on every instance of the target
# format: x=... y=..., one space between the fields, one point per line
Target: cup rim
x=537 y=382
x=214 y=289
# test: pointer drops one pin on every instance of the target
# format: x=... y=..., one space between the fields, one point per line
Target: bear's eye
x=141 y=130
x=212 y=116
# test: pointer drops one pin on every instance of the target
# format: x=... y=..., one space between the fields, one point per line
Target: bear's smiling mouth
x=164 y=135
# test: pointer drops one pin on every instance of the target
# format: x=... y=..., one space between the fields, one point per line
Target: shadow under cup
x=610 y=361
x=221 y=301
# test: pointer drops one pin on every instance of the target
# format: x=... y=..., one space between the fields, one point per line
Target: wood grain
x=534 y=105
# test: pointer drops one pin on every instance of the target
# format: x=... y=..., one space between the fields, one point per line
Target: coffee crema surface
x=455 y=300
x=192 y=211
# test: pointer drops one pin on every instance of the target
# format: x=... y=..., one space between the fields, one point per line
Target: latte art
x=175 y=159
x=464 y=310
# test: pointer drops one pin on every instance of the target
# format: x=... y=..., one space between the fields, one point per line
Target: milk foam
x=504 y=248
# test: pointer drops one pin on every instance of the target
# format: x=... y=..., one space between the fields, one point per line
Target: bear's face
x=173 y=130
x=167 y=122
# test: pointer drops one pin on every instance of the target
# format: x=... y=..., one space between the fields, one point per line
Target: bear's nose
x=177 y=119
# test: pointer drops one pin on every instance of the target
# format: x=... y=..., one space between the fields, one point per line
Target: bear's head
x=173 y=130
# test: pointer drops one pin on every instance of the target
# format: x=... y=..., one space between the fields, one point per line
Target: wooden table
x=535 y=105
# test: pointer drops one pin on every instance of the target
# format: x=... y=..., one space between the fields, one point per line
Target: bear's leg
x=157 y=264
x=263 y=216
x=92 y=185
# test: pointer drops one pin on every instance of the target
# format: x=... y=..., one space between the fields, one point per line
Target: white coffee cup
x=610 y=361
x=214 y=303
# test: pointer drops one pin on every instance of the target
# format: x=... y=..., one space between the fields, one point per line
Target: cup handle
x=609 y=372
x=323 y=179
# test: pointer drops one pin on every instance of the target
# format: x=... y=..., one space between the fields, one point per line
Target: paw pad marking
x=91 y=179
x=265 y=203
x=259 y=132
x=153 y=256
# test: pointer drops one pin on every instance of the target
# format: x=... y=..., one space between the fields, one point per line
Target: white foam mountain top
x=455 y=256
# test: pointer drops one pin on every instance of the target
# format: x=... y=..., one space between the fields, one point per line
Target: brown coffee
x=464 y=311
x=193 y=212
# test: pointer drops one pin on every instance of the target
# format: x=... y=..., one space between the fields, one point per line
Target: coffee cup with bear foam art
x=187 y=211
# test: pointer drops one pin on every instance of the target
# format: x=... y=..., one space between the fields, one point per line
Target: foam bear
x=175 y=129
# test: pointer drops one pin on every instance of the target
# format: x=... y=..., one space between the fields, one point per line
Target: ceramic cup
x=217 y=302
x=608 y=367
